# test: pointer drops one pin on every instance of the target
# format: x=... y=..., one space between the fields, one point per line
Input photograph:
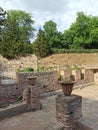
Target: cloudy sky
x=63 y=12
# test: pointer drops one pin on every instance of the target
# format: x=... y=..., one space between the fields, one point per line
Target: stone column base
x=69 y=110
x=31 y=96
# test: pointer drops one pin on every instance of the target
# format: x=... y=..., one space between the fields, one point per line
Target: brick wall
x=13 y=110
x=47 y=81
x=88 y=77
x=11 y=92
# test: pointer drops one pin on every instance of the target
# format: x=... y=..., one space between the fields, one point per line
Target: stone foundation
x=69 y=110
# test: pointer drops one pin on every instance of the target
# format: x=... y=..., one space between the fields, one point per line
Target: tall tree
x=16 y=34
x=40 y=46
x=50 y=29
x=2 y=18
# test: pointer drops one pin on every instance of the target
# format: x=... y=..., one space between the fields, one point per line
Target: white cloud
x=63 y=12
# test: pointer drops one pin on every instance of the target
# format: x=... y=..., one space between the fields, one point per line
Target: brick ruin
x=10 y=93
x=68 y=108
x=31 y=95
x=31 y=101
x=47 y=82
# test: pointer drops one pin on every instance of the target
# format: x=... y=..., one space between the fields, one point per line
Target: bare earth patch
x=90 y=59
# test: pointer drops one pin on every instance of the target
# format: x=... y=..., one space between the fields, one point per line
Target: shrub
x=26 y=70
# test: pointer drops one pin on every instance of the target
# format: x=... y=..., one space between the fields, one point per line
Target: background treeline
x=17 y=30
x=82 y=36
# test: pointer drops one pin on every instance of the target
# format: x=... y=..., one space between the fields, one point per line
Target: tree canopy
x=16 y=30
x=2 y=18
x=83 y=32
x=16 y=34
x=40 y=46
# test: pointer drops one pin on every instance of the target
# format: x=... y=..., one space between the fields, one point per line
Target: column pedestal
x=31 y=96
x=69 y=110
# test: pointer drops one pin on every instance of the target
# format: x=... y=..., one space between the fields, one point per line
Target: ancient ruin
x=22 y=96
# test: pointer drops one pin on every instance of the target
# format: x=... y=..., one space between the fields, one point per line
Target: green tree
x=16 y=34
x=2 y=18
x=50 y=29
x=94 y=32
x=40 y=46
x=82 y=33
x=68 y=38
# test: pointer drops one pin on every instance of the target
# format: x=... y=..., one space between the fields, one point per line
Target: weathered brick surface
x=13 y=110
x=31 y=96
x=47 y=81
x=69 y=110
x=10 y=93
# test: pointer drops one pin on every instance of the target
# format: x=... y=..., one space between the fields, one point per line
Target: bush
x=26 y=70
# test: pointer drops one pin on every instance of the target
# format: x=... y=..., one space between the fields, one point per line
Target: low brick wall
x=13 y=110
x=47 y=81
x=10 y=93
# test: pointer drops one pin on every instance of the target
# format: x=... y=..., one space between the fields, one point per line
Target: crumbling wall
x=8 y=68
x=46 y=81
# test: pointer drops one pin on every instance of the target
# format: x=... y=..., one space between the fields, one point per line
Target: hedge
x=61 y=51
